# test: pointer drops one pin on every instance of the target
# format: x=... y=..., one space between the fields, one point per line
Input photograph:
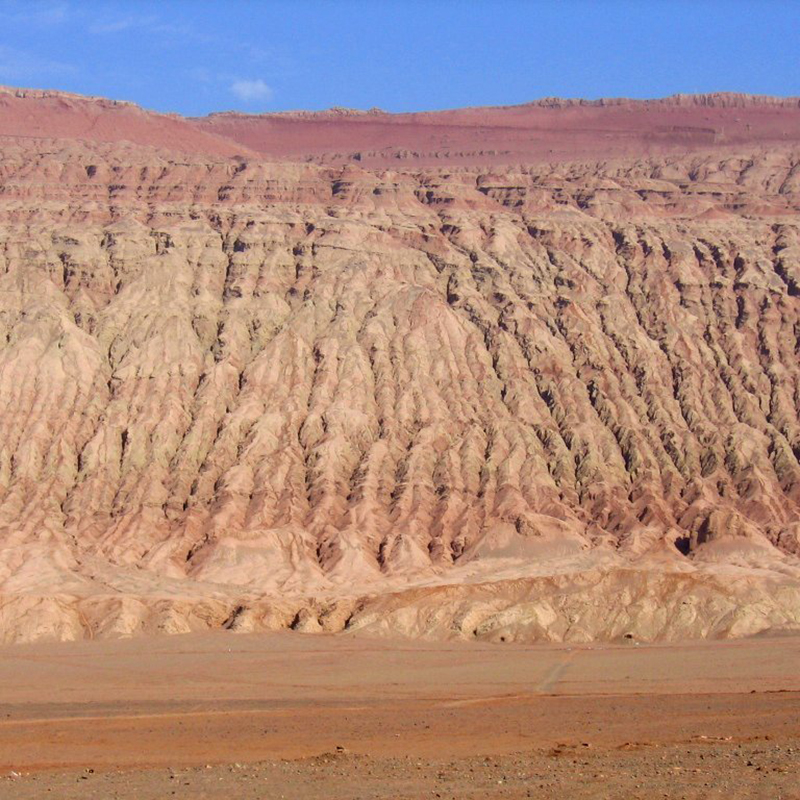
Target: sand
x=335 y=716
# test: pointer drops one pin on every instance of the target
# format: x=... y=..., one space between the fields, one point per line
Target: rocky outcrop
x=559 y=401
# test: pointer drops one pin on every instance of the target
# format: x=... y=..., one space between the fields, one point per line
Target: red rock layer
x=545 y=131
x=38 y=114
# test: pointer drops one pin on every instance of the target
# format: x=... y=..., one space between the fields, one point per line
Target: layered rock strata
x=555 y=401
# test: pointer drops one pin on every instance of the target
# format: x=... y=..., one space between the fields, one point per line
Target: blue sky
x=193 y=56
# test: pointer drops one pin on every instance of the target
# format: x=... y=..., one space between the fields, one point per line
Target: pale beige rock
x=550 y=402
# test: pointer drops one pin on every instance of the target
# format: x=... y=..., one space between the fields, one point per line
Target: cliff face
x=554 y=401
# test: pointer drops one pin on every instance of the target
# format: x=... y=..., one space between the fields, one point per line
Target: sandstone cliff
x=558 y=400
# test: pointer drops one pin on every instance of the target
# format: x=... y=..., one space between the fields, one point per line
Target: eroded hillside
x=555 y=401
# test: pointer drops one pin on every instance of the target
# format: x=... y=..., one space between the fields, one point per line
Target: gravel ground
x=705 y=769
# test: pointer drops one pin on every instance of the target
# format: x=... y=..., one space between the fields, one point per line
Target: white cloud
x=152 y=24
x=251 y=91
x=111 y=25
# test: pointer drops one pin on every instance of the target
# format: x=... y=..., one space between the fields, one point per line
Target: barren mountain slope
x=544 y=131
x=37 y=114
x=552 y=402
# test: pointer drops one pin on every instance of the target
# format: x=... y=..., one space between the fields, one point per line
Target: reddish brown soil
x=337 y=717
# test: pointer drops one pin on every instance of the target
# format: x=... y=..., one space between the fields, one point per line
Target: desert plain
x=284 y=715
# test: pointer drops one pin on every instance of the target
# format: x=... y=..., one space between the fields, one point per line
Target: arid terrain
x=554 y=400
x=549 y=130
x=501 y=404
x=282 y=715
